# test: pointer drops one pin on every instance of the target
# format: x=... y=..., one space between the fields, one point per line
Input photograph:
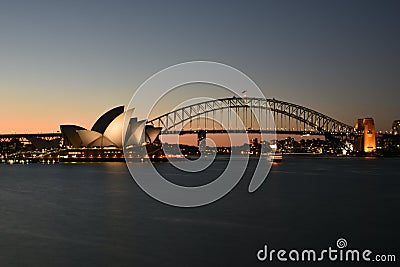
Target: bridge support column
x=201 y=135
x=367 y=141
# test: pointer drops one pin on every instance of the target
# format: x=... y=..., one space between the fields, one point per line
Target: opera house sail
x=107 y=131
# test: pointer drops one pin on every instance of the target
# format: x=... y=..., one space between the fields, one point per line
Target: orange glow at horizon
x=16 y=124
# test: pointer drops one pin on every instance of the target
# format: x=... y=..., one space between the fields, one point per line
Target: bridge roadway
x=24 y=136
x=250 y=131
x=48 y=136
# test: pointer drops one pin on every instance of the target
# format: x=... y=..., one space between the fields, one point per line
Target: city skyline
x=68 y=62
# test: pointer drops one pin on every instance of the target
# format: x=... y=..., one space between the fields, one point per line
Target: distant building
x=396 y=127
x=366 y=141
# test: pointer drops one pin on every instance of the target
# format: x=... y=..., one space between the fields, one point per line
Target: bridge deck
x=21 y=135
x=249 y=131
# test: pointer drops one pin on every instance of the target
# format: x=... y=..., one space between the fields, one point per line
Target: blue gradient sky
x=69 y=61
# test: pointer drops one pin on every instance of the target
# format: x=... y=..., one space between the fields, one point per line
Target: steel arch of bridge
x=319 y=123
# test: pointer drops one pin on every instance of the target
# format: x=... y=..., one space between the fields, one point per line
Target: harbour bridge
x=228 y=115
x=253 y=114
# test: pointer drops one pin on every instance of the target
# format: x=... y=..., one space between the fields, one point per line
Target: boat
x=277 y=156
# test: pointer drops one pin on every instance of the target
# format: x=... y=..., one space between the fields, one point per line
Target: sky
x=67 y=62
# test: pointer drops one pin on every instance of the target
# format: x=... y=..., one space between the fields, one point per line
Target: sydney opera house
x=107 y=132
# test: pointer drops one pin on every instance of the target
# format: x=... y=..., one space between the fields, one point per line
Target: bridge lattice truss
x=288 y=117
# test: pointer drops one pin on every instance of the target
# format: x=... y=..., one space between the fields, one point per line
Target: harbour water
x=94 y=214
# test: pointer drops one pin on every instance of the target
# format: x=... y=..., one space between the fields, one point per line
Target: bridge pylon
x=201 y=135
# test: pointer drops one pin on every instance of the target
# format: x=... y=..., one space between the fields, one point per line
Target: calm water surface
x=95 y=214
